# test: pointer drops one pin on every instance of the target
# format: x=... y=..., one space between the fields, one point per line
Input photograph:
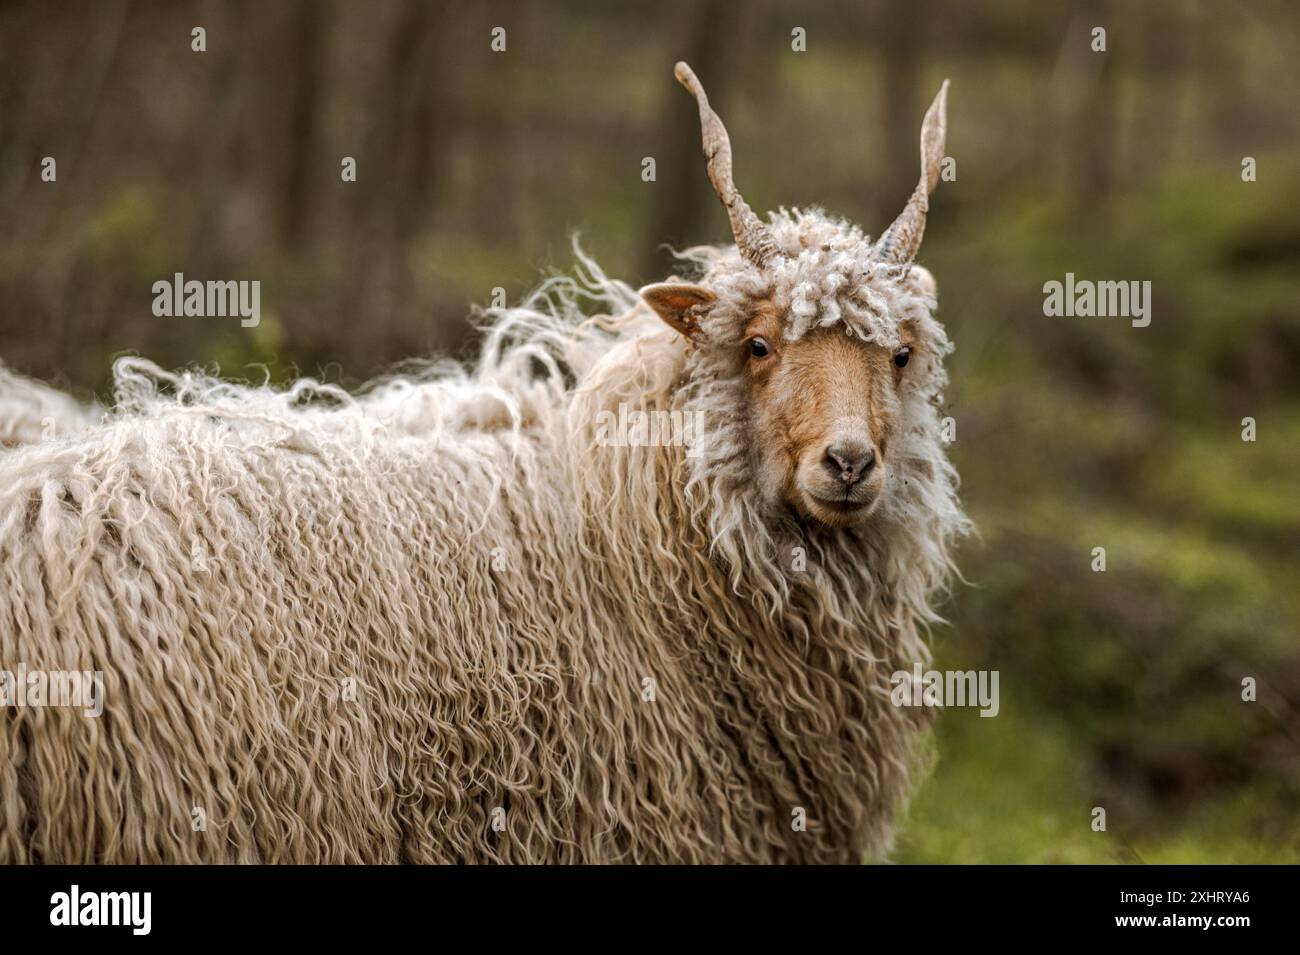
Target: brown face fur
x=825 y=408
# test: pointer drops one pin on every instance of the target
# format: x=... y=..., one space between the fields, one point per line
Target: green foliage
x=1123 y=689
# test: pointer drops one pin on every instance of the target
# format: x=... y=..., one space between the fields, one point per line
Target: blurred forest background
x=1119 y=689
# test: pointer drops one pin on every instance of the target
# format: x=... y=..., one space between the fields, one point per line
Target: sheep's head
x=828 y=337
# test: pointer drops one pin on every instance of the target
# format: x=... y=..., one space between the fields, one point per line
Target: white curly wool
x=31 y=412
x=441 y=620
x=827 y=274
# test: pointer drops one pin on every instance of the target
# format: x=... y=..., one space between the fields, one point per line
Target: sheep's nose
x=850 y=461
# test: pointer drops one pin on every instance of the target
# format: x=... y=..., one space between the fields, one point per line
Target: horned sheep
x=450 y=618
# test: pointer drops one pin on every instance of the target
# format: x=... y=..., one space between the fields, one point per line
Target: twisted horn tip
x=686 y=76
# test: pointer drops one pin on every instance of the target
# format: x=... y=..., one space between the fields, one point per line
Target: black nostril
x=850 y=463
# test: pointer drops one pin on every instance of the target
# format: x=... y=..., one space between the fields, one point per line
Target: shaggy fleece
x=440 y=621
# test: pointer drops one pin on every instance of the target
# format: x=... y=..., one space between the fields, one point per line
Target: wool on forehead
x=824 y=276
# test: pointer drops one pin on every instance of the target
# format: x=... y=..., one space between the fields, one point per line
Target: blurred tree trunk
x=1156 y=119
x=304 y=46
x=494 y=130
x=216 y=130
x=678 y=217
x=74 y=143
x=902 y=32
x=1095 y=125
x=398 y=172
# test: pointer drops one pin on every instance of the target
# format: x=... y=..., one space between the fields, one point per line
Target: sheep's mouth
x=842 y=505
x=838 y=511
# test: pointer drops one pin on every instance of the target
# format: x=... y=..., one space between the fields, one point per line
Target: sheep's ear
x=920 y=278
x=681 y=306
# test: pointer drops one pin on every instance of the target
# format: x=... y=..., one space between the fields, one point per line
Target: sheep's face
x=822 y=402
x=822 y=411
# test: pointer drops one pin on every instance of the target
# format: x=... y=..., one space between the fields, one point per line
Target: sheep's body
x=562 y=650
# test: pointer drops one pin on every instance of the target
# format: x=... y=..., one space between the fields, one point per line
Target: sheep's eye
x=758 y=347
x=901 y=358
